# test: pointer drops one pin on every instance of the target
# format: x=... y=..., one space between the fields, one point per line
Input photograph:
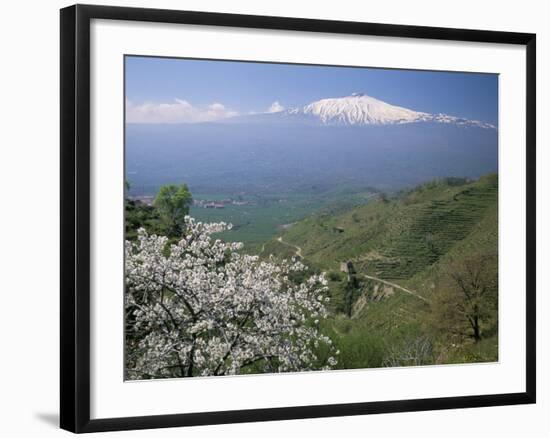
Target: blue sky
x=168 y=89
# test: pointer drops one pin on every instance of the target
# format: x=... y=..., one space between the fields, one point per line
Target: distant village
x=205 y=203
x=201 y=203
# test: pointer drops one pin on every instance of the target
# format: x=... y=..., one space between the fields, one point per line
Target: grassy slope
x=409 y=241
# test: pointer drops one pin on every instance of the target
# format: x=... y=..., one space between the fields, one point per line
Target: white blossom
x=199 y=307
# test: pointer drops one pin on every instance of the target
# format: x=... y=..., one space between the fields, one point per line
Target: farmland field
x=263 y=216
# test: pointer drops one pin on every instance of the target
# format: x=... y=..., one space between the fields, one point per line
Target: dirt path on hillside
x=389 y=283
x=297 y=249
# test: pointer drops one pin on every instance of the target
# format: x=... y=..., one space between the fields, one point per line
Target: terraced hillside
x=397 y=238
x=435 y=226
x=389 y=263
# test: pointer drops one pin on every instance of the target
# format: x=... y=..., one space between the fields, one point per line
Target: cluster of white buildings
x=205 y=203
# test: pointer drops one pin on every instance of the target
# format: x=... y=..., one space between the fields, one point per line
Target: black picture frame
x=75 y=217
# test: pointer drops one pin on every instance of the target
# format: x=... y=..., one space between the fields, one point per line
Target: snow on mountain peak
x=361 y=109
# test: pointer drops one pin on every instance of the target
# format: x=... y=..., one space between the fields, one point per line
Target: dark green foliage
x=140 y=215
x=335 y=276
x=165 y=217
x=352 y=292
x=172 y=204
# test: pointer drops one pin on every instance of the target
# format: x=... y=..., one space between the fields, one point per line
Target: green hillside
x=410 y=261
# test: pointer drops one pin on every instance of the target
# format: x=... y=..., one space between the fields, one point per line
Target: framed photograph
x=267 y=218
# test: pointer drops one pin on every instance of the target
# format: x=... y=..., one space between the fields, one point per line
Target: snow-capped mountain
x=356 y=139
x=360 y=109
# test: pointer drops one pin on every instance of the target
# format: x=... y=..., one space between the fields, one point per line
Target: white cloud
x=178 y=111
x=275 y=107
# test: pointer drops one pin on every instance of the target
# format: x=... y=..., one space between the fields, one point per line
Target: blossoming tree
x=201 y=308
